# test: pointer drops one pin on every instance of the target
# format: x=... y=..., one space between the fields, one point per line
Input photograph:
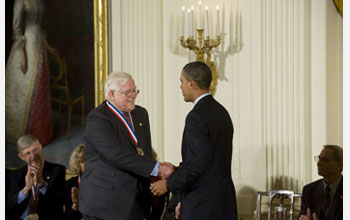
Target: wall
x=282 y=88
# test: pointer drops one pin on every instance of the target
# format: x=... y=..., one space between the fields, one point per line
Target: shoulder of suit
x=313 y=184
x=139 y=109
x=49 y=164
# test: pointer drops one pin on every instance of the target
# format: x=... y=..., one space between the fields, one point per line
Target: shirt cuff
x=21 y=196
x=155 y=170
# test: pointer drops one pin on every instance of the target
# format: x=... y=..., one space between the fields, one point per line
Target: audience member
x=118 y=163
x=205 y=175
x=76 y=166
x=323 y=199
x=37 y=189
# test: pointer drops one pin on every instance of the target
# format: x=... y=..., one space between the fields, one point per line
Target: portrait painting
x=50 y=71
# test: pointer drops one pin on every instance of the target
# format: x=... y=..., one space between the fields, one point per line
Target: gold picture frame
x=100 y=48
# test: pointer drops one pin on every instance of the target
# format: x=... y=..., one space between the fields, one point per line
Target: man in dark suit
x=323 y=199
x=37 y=189
x=118 y=164
x=204 y=178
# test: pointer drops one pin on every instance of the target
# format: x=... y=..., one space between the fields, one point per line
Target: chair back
x=58 y=78
x=281 y=209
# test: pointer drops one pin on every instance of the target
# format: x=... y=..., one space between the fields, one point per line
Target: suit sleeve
x=303 y=203
x=107 y=141
x=197 y=150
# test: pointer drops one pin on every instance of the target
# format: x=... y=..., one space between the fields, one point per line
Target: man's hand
x=36 y=170
x=308 y=215
x=159 y=188
x=165 y=170
x=177 y=210
x=29 y=182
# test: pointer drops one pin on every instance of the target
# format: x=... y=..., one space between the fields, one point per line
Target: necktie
x=326 y=201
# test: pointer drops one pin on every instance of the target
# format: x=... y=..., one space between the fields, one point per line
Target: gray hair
x=337 y=151
x=77 y=157
x=115 y=80
x=26 y=141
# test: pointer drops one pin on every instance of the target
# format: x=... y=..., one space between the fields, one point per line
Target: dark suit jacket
x=313 y=196
x=50 y=205
x=69 y=212
x=115 y=176
x=205 y=175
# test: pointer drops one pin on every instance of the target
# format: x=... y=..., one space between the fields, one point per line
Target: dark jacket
x=205 y=175
x=116 y=179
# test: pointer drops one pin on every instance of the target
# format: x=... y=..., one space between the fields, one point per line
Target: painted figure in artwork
x=27 y=103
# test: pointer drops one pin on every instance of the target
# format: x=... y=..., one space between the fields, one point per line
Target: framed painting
x=77 y=33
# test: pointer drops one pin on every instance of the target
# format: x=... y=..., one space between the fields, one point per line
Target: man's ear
x=21 y=156
x=110 y=94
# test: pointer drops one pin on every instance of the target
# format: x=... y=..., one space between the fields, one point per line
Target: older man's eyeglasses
x=322 y=159
x=130 y=92
x=27 y=154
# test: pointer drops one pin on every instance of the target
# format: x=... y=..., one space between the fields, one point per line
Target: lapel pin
x=140 y=124
x=48 y=177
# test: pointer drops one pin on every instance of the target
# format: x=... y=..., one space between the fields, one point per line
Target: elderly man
x=323 y=199
x=37 y=189
x=204 y=178
x=118 y=153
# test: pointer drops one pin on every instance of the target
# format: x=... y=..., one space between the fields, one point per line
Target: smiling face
x=186 y=88
x=124 y=99
x=327 y=166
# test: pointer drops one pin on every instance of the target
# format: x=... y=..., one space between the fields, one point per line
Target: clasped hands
x=33 y=176
x=160 y=187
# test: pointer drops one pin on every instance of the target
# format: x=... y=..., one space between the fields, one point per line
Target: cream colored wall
x=276 y=88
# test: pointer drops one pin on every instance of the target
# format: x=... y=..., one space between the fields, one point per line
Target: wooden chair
x=61 y=93
x=281 y=208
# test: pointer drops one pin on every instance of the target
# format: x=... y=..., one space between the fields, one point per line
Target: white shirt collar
x=200 y=97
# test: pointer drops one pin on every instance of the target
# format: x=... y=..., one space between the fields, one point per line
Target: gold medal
x=140 y=151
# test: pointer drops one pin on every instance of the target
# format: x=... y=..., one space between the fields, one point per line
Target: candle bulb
x=189 y=23
x=207 y=21
x=192 y=20
x=199 y=21
x=217 y=21
x=182 y=22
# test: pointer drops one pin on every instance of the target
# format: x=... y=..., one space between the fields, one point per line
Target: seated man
x=323 y=199
x=37 y=190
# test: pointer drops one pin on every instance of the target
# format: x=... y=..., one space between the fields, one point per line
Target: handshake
x=160 y=187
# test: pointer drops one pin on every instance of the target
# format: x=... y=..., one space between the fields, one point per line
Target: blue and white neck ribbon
x=125 y=122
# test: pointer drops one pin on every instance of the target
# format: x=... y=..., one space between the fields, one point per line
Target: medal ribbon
x=125 y=122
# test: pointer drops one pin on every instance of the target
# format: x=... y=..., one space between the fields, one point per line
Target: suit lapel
x=318 y=197
x=337 y=200
x=119 y=123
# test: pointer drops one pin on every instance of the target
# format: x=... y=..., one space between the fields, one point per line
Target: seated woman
x=76 y=165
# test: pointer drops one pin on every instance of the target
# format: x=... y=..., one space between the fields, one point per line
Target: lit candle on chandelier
x=189 y=22
x=217 y=21
x=207 y=21
x=199 y=21
x=192 y=20
x=182 y=22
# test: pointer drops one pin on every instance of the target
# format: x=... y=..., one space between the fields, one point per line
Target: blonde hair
x=25 y=141
x=77 y=157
